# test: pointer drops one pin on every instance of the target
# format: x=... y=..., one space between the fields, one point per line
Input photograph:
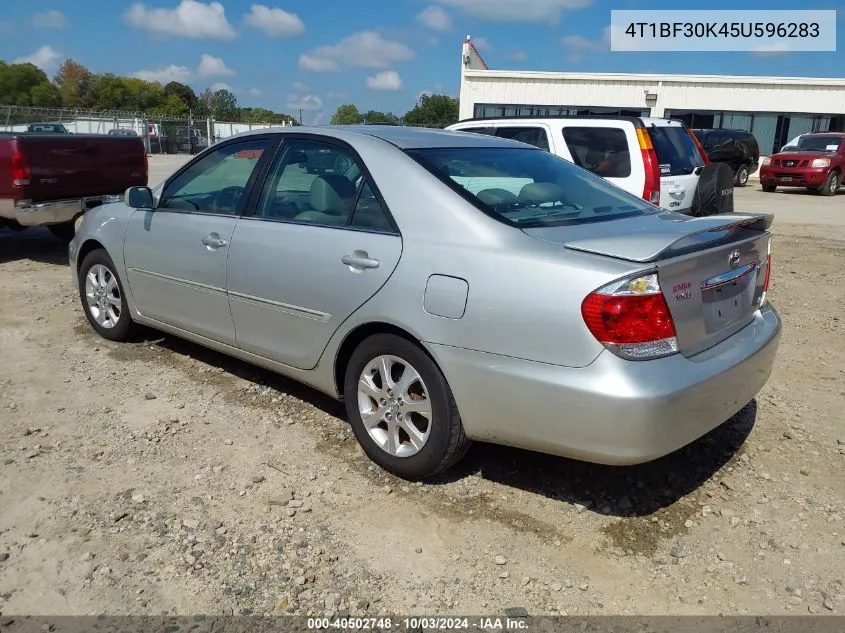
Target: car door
x=176 y=254
x=314 y=248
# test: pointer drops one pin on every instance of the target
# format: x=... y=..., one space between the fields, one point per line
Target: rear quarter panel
x=7 y=148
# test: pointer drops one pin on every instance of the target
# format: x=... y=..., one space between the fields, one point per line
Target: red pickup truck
x=817 y=163
x=51 y=179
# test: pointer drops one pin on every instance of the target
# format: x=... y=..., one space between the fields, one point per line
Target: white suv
x=659 y=160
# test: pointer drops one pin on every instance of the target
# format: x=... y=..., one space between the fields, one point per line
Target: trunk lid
x=712 y=270
x=74 y=166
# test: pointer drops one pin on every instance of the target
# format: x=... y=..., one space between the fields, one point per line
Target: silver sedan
x=448 y=287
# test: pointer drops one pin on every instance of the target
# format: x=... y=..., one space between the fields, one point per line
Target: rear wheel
x=831 y=185
x=64 y=231
x=769 y=188
x=742 y=175
x=103 y=298
x=401 y=408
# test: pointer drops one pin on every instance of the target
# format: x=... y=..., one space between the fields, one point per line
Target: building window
x=490 y=110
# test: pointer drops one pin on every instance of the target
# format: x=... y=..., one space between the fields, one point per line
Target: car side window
x=369 y=214
x=490 y=131
x=317 y=183
x=216 y=183
x=601 y=150
x=535 y=136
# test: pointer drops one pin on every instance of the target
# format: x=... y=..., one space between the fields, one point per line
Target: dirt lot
x=158 y=477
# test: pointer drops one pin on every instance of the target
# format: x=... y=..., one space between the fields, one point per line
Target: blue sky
x=379 y=54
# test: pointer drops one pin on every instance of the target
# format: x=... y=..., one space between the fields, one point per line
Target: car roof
x=399 y=136
x=840 y=134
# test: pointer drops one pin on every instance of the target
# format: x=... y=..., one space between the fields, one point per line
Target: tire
x=742 y=176
x=441 y=441
x=831 y=185
x=769 y=188
x=115 y=324
x=64 y=231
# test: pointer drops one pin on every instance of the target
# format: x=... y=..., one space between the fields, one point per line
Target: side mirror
x=139 y=198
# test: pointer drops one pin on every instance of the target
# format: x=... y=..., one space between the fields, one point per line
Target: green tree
x=380 y=118
x=75 y=83
x=26 y=85
x=263 y=115
x=347 y=114
x=222 y=105
x=433 y=111
x=185 y=94
x=109 y=92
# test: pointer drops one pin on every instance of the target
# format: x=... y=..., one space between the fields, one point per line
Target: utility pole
x=300 y=116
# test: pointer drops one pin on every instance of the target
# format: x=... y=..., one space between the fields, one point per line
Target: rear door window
x=601 y=150
x=676 y=152
x=535 y=136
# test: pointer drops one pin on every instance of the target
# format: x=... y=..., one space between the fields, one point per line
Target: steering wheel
x=227 y=199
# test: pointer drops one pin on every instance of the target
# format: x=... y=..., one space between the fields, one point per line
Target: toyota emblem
x=733 y=259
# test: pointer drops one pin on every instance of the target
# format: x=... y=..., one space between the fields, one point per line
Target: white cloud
x=255 y=92
x=336 y=95
x=213 y=67
x=191 y=19
x=220 y=85
x=49 y=20
x=274 y=22
x=436 y=89
x=365 y=49
x=481 y=44
x=387 y=81
x=165 y=75
x=46 y=58
x=318 y=118
x=517 y=55
x=305 y=102
x=510 y=11
x=577 y=45
x=301 y=87
x=436 y=18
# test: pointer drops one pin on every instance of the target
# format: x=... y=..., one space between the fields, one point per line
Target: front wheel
x=103 y=298
x=401 y=408
x=831 y=185
x=742 y=175
x=769 y=188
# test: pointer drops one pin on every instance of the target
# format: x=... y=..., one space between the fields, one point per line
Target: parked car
x=656 y=159
x=188 y=141
x=736 y=148
x=448 y=288
x=47 y=128
x=817 y=163
x=49 y=180
x=122 y=132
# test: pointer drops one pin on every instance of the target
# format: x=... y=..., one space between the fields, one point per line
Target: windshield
x=819 y=143
x=529 y=187
x=675 y=149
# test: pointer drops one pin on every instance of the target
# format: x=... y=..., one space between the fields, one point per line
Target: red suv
x=818 y=163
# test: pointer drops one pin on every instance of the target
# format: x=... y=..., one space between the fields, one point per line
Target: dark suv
x=736 y=148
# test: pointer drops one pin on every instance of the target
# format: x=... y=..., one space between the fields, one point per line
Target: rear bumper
x=786 y=177
x=53 y=212
x=613 y=411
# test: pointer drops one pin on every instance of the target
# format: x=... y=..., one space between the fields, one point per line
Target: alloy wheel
x=102 y=294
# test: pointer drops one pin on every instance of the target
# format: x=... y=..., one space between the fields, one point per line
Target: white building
x=774 y=109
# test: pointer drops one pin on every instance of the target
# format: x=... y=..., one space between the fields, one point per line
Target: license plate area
x=786 y=178
x=728 y=298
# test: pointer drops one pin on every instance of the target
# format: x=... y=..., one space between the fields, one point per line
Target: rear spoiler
x=677 y=236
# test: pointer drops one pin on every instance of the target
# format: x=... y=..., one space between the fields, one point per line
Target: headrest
x=495 y=197
x=541 y=193
x=331 y=193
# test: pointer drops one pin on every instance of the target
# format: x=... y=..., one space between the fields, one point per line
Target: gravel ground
x=158 y=477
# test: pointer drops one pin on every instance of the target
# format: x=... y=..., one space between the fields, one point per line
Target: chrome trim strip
x=728 y=277
x=177 y=280
x=298 y=310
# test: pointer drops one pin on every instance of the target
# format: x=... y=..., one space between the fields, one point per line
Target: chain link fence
x=162 y=134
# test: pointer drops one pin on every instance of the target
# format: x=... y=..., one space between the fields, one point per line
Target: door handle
x=213 y=241
x=360 y=260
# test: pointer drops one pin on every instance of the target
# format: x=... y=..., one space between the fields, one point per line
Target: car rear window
x=676 y=152
x=601 y=150
x=529 y=187
x=535 y=136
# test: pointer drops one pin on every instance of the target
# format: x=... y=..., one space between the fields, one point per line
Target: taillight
x=768 y=276
x=651 y=189
x=20 y=170
x=631 y=318
x=699 y=146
